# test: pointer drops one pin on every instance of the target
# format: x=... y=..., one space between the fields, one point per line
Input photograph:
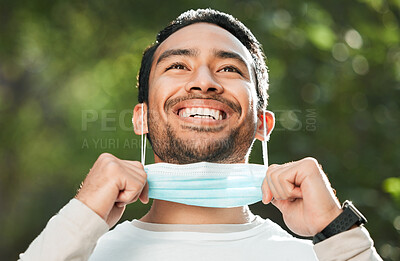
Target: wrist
x=92 y=205
x=332 y=215
x=348 y=219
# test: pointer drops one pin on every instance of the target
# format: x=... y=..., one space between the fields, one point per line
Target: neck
x=166 y=212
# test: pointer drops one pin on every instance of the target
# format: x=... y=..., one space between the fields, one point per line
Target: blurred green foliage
x=392 y=186
x=67 y=91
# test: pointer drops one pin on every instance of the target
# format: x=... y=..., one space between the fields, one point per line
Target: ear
x=270 y=122
x=137 y=119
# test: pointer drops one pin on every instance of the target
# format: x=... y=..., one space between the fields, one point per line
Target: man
x=202 y=94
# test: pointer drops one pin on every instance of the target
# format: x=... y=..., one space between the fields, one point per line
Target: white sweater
x=77 y=233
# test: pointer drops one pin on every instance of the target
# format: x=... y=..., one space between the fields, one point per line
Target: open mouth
x=203 y=113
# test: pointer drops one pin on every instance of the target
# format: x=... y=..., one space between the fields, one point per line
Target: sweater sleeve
x=70 y=235
x=355 y=245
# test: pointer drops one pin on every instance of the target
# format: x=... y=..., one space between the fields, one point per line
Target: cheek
x=244 y=94
x=251 y=98
x=247 y=98
x=160 y=90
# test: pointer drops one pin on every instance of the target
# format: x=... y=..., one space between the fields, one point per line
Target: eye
x=230 y=69
x=176 y=66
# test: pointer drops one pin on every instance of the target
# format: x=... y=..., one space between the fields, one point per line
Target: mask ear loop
x=143 y=141
x=264 y=142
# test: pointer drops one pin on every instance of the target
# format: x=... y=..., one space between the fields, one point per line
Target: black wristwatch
x=348 y=218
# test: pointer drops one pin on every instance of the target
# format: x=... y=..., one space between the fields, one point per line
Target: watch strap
x=348 y=218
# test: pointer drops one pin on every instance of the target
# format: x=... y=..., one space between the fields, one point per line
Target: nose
x=203 y=81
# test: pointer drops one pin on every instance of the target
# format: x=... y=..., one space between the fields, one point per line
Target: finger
x=268 y=196
x=290 y=185
x=132 y=190
x=133 y=164
x=267 y=188
x=286 y=181
x=274 y=180
x=283 y=204
x=136 y=164
x=144 y=196
x=272 y=188
x=298 y=177
x=136 y=167
x=266 y=192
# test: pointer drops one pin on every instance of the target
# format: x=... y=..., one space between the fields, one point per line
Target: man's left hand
x=303 y=194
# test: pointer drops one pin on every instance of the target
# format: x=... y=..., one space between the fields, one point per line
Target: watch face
x=361 y=218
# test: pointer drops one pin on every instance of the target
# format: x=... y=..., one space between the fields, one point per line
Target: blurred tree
x=67 y=77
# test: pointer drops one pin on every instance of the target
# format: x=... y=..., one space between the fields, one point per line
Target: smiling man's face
x=202 y=97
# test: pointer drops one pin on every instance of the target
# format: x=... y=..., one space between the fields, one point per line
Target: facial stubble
x=170 y=148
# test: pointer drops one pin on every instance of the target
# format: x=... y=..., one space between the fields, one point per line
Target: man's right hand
x=111 y=184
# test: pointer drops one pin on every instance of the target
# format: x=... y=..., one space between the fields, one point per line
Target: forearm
x=355 y=245
x=70 y=235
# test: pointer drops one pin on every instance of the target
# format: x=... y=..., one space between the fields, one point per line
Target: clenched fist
x=111 y=184
x=303 y=194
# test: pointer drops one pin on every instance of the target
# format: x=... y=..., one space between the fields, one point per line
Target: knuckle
x=273 y=166
x=144 y=175
x=105 y=158
x=141 y=180
x=111 y=166
x=138 y=186
x=105 y=155
x=309 y=161
x=275 y=176
x=109 y=163
x=141 y=175
x=137 y=164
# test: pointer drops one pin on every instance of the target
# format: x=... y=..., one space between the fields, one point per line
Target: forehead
x=203 y=37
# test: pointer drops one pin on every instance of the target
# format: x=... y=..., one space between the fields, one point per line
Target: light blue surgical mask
x=207 y=184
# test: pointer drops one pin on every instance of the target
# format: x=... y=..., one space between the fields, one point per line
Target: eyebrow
x=194 y=52
x=230 y=55
x=177 y=52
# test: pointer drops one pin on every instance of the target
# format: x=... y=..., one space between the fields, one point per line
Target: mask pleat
x=206 y=184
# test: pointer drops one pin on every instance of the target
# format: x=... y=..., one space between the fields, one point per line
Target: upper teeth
x=201 y=113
